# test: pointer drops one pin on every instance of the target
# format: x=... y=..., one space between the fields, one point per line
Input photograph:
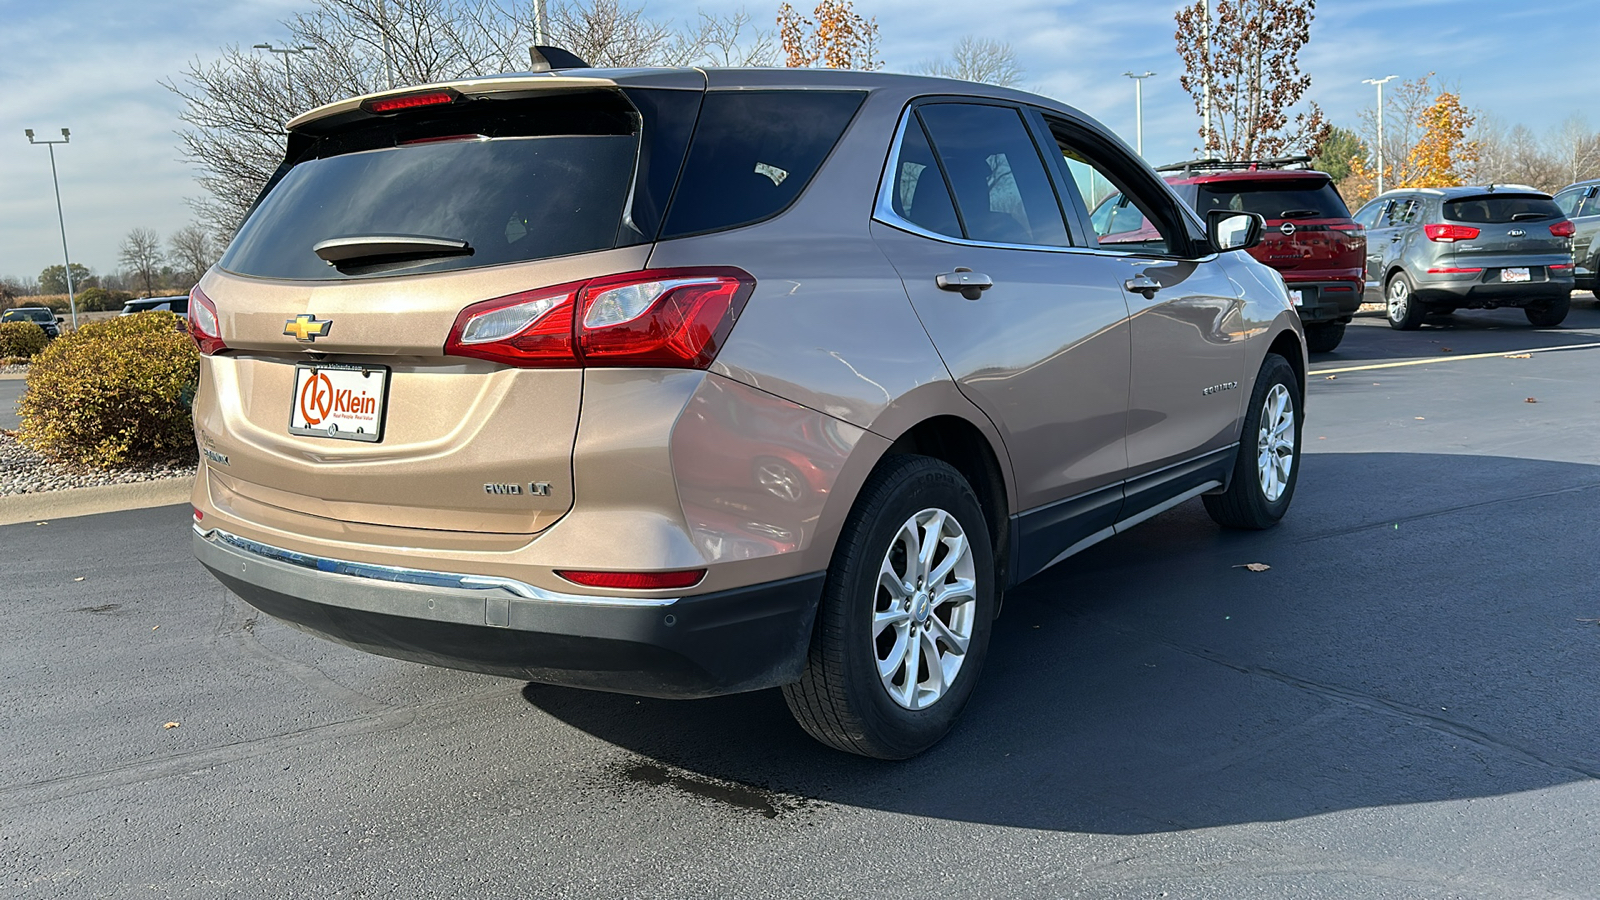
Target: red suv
x=1310 y=238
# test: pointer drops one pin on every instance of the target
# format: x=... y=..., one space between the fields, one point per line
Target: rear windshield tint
x=1279 y=199
x=517 y=180
x=1499 y=208
x=27 y=315
x=753 y=153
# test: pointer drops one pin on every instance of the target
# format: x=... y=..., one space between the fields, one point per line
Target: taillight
x=666 y=318
x=204 y=325
x=1449 y=234
x=635 y=581
x=1563 y=228
x=438 y=97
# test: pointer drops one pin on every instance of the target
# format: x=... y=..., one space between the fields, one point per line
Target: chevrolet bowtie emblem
x=306 y=328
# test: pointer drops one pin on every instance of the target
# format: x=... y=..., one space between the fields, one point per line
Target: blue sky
x=95 y=66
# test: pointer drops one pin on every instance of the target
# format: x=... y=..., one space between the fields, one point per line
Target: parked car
x=178 y=304
x=611 y=379
x=1437 y=250
x=1310 y=238
x=1581 y=203
x=45 y=318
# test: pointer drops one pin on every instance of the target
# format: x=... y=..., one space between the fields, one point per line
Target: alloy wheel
x=925 y=609
x=1275 y=443
x=1399 y=297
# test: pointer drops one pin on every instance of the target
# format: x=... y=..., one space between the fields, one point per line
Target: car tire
x=1323 y=337
x=1400 y=297
x=1549 y=313
x=1268 y=463
x=865 y=627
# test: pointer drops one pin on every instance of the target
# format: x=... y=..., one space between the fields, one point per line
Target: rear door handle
x=1142 y=284
x=964 y=281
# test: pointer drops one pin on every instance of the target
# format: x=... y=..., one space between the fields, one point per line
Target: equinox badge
x=306 y=329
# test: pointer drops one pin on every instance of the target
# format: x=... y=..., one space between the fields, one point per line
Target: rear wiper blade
x=1527 y=216
x=1300 y=214
x=370 y=248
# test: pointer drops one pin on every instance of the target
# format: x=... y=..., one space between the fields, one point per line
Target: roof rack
x=1498 y=185
x=1232 y=165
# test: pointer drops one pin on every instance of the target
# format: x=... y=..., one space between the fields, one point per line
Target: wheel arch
x=966 y=448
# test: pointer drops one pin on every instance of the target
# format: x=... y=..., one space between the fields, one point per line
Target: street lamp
x=285 y=52
x=1380 y=82
x=1138 y=108
x=66 y=138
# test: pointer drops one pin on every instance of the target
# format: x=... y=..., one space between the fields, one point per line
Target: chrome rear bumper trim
x=419 y=577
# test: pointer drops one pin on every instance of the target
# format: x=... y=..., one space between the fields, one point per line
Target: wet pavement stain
x=769 y=804
x=102 y=609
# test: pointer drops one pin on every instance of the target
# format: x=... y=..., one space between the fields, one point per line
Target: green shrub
x=21 y=339
x=114 y=394
x=98 y=299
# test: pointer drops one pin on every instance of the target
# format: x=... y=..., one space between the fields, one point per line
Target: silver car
x=1433 y=250
x=681 y=383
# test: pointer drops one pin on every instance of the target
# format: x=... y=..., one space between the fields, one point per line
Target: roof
x=1466 y=190
x=1245 y=175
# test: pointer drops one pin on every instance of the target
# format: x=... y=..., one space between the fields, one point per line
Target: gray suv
x=1438 y=250
x=683 y=382
x=1581 y=203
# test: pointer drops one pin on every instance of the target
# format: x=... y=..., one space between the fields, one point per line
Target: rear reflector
x=1449 y=234
x=204 y=325
x=658 y=318
x=411 y=101
x=1339 y=287
x=1562 y=266
x=1454 y=271
x=1355 y=227
x=1563 y=228
x=635 y=581
x=198 y=515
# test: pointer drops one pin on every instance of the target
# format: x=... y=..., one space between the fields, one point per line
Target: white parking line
x=1430 y=361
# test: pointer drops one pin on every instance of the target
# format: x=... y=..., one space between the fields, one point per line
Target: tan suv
x=680 y=383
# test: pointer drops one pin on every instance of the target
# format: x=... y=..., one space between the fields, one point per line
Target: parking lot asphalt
x=10 y=393
x=1406 y=705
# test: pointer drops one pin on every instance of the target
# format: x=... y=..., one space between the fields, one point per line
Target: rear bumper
x=723 y=643
x=1327 y=300
x=1470 y=290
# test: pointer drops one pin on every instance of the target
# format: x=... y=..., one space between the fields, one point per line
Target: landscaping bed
x=24 y=472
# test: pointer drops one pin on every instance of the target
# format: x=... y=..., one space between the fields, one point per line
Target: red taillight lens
x=1454 y=270
x=204 y=325
x=636 y=581
x=666 y=318
x=1560 y=266
x=530 y=329
x=411 y=101
x=1449 y=234
x=1563 y=228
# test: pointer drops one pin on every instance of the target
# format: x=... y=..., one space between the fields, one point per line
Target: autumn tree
x=1443 y=157
x=1241 y=66
x=978 y=59
x=834 y=37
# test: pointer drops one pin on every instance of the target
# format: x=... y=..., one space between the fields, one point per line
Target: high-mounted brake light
x=411 y=101
x=1449 y=234
x=1563 y=228
x=635 y=581
x=666 y=318
x=204 y=324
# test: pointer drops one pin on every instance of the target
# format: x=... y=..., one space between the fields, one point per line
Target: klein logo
x=319 y=400
x=1219 y=388
x=306 y=329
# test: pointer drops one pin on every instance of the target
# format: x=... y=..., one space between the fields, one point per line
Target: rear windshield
x=1499 y=208
x=515 y=180
x=1279 y=199
x=27 y=315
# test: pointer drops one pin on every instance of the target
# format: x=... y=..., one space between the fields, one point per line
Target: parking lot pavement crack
x=1583 y=768
x=1449 y=510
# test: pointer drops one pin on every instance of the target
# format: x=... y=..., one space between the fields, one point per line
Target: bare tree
x=192 y=251
x=981 y=60
x=1575 y=148
x=235 y=105
x=1241 y=66
x=141 y=253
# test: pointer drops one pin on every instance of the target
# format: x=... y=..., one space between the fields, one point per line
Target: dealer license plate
x=1512 y=276
x=339 y=401
x=1298 y=298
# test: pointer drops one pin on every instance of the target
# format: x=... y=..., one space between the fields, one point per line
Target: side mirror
x=60 y=320
x=1230 y=230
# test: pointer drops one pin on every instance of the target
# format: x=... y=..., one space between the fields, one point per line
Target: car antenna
x=548 y=59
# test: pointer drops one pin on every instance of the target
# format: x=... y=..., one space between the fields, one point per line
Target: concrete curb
x=47 y=505
x=13 y=376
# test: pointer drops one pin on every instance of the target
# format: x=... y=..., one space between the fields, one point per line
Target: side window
x=1368 y=216
x=1402 y=212
x=1568 y=201
x=919 y=193
x=1590 y=205
x=1002 y=191
x=1121 y=221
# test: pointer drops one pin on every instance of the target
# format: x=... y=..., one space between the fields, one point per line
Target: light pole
x=1138 y=108
x=66 y=138
x=285 y=52
x=1380 y=82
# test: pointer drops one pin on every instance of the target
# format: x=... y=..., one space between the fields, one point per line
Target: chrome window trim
x=883 y=212
x=421 y=577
